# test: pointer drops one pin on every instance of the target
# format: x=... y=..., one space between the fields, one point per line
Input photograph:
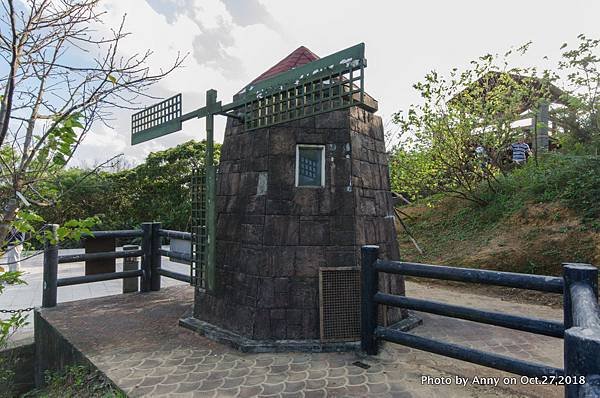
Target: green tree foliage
x=156 y=190
x=160 y=187
x=8 y=326
x=412 y=173
x=457 y=139
x=582 y=93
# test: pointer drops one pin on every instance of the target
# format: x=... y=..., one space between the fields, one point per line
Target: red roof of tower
x=298 y=57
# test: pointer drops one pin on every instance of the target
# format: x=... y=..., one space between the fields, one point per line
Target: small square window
x=310 y=165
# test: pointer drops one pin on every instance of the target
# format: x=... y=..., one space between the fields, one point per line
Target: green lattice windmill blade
x=330 y=83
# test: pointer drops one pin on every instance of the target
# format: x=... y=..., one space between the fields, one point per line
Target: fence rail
x=531 y=325
x=580 y=329
x=175 y=275
x=127 y=233
x=495 y=361
x=176 y=255
x=150 y=253
x=78 y=280
x=74 y=258
x=549 y=284
x=168 y=233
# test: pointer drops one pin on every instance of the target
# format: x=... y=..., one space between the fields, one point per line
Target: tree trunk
x=8 y=216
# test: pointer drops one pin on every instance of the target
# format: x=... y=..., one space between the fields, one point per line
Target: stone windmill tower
x=295 y=202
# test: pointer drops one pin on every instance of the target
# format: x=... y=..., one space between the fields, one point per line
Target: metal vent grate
x=339 y=290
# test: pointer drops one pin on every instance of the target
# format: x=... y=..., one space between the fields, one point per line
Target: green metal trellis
x=199 y=231
x=327 y=84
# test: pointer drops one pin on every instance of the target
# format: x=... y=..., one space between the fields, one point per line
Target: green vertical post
x=211 y=216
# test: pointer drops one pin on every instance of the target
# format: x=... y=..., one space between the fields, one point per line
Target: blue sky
x=230 y=42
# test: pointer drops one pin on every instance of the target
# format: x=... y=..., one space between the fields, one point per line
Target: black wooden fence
x=150 y=271
x=580 y=330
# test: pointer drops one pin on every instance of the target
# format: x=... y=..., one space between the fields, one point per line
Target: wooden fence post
x=130 y=285
x=155 y=258
x=145 y=282
x=49 y=288
x=573 y=273
x=369 y=286
x=581 y=342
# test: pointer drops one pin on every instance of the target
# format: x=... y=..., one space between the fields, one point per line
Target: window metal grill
x=308 y=168
x=310 y=165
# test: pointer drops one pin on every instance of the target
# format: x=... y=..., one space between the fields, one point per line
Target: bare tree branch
x=63 y=77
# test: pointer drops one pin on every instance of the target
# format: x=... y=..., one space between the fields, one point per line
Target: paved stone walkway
x=134 y=340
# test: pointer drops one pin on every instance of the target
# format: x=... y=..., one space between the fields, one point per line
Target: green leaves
x=11 y=278
x=158 y=189
x=74 y=229
x=30 y=222
x=8 y=326
x=61 y=140
x=455 y=140
x=581 y=65
x=27 y=220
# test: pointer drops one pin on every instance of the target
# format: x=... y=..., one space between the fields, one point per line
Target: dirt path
x=499 y=292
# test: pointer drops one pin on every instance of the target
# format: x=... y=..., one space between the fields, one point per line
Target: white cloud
x=99 y=145
x=231 y=42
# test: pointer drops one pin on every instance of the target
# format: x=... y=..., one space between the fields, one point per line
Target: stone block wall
x=273 y=237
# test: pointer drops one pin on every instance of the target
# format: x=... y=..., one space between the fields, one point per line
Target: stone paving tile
x=134 y=339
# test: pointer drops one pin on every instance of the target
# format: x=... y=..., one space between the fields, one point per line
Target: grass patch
x=76 y=382
x=540 y=215
x=572 y=180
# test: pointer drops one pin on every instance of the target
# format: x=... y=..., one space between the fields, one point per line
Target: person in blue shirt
x=520 y=152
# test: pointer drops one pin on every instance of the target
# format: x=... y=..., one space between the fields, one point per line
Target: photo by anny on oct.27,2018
x=261 y=199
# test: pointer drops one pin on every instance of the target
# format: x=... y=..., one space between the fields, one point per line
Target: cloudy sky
x=230 y=42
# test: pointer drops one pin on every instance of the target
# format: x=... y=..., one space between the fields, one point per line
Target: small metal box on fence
x=130 y=285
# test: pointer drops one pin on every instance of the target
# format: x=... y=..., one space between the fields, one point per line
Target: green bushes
x=413 y=174
x=158 y=189
x=572 y=180
x=8 y=327
x=540 y=216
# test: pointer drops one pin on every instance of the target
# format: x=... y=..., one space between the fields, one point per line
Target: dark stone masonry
x=273 y=236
